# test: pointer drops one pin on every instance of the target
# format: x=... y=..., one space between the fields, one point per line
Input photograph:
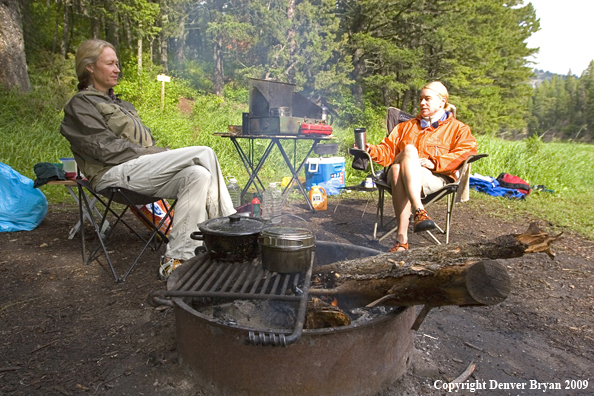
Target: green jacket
x=103 y=132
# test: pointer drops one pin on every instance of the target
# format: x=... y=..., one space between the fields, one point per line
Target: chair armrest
x=358 y=153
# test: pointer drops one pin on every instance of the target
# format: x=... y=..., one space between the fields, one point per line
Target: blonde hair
x=442 y=91
x=87 y=54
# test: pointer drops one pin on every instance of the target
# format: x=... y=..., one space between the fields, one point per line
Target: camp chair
x=129 y=199
x=456 y=191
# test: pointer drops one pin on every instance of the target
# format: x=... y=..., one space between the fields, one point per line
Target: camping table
x=253 y=165
x=68 y=184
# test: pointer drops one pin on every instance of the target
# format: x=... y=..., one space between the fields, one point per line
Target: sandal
x=167 y=266
x=397 y=245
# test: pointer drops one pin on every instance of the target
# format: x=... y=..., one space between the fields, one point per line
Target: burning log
x=455 y=274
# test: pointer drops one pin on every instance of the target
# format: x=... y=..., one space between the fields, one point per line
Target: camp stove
x=276 y=109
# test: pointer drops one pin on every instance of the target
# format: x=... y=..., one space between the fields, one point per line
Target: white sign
x=163 y=77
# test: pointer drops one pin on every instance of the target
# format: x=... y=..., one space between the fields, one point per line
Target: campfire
x=344 y=327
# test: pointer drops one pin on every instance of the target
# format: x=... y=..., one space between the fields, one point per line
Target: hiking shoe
x=167 y=265
x=397 y=245
x=422 y=221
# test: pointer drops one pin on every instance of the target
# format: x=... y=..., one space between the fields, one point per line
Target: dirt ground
x=69 y=329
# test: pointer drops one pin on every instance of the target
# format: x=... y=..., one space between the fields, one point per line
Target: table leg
x=249 y=167
x=255 y=172
x=295 y=173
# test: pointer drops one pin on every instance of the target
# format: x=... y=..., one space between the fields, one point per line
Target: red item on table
x=318 y=129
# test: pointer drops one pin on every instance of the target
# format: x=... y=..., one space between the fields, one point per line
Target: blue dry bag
x=22 y=207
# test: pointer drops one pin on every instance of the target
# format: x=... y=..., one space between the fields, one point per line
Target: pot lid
x=274 y=234
x=232 y=225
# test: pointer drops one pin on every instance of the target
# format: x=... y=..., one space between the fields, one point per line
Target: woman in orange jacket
x=424 y=154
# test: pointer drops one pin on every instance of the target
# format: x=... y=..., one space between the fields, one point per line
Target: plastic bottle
x=272 y=200
x=318 y=197
x=255 y=206
x=234 y=191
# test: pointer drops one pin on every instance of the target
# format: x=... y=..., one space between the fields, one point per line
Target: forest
x=354 y=55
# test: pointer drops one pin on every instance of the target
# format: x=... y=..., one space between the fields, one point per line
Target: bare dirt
x=69 y=329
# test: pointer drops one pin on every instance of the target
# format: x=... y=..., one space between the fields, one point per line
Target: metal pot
x=233 y=238
x=286 y=250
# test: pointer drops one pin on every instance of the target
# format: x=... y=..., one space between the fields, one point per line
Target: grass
x=30 y=123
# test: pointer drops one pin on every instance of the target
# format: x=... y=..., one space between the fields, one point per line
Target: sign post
x=163 y=78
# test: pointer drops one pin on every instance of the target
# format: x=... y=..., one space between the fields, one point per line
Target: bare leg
x=406 y=188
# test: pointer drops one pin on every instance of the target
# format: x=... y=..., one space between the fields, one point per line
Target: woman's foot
x=422 y=221
x=398 y=247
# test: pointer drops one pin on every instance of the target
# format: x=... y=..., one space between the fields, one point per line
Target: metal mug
x=360 y=138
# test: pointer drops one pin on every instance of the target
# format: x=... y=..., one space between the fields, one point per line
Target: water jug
x=318 y=198
x=234 y=191
x=272 y=200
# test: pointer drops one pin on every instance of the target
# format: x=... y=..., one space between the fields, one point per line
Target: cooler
x=325 y=172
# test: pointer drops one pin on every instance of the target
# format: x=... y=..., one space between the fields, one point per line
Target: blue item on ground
x=490 y=185
x=22 y=207
x=325 y=172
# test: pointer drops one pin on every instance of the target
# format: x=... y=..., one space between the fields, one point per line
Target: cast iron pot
x=286 y=250
x=233 y=238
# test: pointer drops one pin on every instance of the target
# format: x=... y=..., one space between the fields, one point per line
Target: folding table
x=253 y=165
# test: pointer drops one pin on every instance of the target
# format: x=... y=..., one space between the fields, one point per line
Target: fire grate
x=243 y=280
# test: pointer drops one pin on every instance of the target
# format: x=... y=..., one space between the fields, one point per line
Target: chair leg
x=451 y=203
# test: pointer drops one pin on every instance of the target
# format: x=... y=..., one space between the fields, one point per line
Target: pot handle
x=197 y=236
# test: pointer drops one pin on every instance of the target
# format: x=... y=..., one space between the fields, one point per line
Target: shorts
x=431 y=181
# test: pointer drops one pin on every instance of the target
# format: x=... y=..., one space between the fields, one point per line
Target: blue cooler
x=325 y=172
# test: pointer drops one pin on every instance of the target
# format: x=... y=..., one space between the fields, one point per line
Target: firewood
x=455 y=274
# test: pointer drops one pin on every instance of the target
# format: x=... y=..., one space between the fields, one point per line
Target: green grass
x=30 y=123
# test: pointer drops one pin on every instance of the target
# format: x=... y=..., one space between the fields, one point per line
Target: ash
x=257 y=314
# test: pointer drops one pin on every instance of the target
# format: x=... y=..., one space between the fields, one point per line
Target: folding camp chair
x=452 y=191
x=119 y=195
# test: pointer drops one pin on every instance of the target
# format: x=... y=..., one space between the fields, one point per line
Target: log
x=456 y=274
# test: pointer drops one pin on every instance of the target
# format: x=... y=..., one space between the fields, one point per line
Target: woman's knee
x=410 y=151
x=196 y=174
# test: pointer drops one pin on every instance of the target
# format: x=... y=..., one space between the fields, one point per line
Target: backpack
x=514 y=182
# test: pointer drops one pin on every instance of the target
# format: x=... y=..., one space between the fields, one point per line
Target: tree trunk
x=291 y=40
x=218 y=67
x=56 y=27
x=358 y=73
x=65 y=27
x=13 y=64
x=140 y=51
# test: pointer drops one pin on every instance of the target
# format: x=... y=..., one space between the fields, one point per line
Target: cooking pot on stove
x=286 y=249
x=232 y=238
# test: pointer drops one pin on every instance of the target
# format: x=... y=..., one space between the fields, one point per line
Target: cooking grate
x=243 y=280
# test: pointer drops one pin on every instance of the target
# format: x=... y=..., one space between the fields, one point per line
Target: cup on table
x=69 y=167
x=360 y=138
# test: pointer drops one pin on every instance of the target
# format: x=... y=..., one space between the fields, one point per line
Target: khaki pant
x=191 y=175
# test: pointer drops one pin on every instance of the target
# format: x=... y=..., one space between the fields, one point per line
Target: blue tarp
x=22 y=207
x=490 y=185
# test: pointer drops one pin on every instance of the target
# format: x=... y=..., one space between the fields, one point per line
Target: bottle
x=234 y=191
x=255 y=206
x=272 y=200
x=318 y=197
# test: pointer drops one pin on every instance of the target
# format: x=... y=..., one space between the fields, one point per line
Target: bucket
x=318 y=198
x=325 y=172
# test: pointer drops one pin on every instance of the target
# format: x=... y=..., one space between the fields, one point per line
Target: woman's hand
x=425 y=163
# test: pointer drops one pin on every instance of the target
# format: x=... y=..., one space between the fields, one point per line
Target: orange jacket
x=447 y=146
